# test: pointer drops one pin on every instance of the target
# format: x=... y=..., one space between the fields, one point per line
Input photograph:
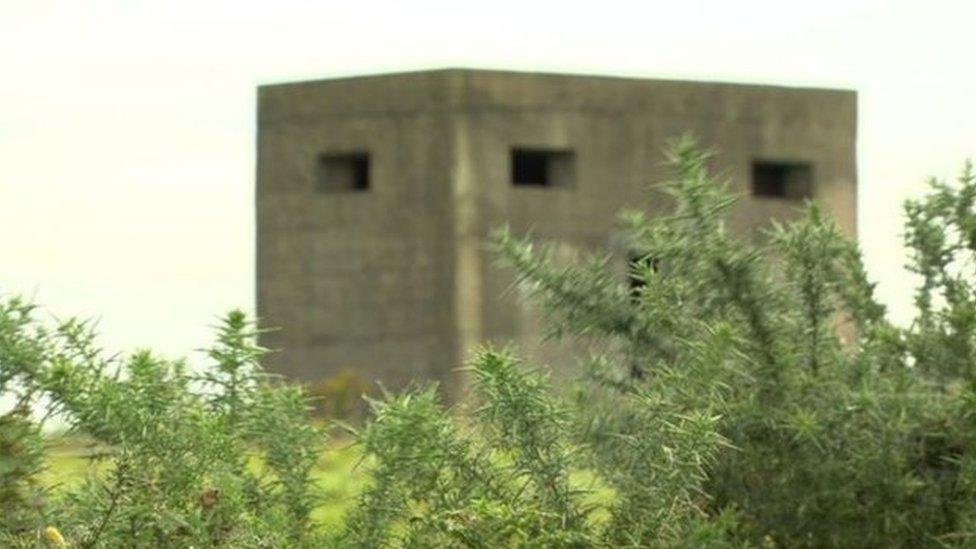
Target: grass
x=340 y=481
x=339 y=476
x=67 y=462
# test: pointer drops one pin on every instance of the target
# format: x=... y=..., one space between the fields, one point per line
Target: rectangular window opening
x=343 y=172
x=543 y=167
x=789 y=180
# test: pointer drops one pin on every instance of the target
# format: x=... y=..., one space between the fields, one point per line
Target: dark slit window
x=543 y=167
x=789 y=180
x=345 y=172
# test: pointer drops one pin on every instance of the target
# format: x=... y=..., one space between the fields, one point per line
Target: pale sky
x=127 y=127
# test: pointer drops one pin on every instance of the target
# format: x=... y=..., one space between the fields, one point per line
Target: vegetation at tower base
x=717 y=407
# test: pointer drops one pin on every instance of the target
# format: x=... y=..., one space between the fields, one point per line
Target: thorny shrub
x=717 y=406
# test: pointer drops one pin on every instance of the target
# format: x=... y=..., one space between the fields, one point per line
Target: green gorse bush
x=175 y=445
x=716 y=405
x=829 y=443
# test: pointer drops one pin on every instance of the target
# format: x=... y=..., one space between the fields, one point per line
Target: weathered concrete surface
x=395 y=283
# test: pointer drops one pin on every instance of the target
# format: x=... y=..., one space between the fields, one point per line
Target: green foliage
x=173 y=446
x=21 y=457
x=504 y=480
x=830 y=443
x=434 y=486
x=733 y=394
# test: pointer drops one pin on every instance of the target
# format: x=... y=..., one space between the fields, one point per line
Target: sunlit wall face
x=127 y=129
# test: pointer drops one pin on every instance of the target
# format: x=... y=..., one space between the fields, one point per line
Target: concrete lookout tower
x=375 y=195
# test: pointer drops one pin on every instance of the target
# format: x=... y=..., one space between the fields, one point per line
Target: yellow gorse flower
x=53 y=537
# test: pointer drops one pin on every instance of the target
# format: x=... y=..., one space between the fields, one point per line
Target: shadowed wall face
x=375 y=195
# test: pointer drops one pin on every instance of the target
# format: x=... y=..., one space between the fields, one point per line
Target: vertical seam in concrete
x=467 y=262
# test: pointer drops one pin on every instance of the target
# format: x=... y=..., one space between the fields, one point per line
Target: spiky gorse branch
x=833 y=439
x=174 y=446
x=503 y=484
x=718 y=407
x=505 y=480
x=941 y=232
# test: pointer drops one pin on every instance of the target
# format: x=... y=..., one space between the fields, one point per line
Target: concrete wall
x=395 y=282
x=357 y=280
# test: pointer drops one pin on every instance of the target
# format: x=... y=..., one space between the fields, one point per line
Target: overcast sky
x=127 y=127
